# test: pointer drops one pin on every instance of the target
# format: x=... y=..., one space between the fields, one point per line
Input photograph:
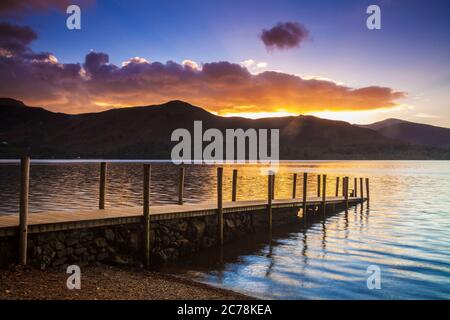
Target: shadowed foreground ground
x=105 y=282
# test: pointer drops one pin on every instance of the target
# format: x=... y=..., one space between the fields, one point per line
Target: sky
x=248 y=58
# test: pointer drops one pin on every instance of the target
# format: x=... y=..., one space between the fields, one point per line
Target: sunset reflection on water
x=404 y=231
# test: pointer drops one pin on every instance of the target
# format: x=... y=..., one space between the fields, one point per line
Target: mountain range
x=145 y=131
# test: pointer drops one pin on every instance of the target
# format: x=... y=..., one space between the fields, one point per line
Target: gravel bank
x=105 y=283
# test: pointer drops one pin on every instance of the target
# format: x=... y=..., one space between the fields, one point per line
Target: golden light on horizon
x=259 y=115
x=360 y=117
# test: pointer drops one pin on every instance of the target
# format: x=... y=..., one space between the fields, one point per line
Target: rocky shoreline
x=103 y=282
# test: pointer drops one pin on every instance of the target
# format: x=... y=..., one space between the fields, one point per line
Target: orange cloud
x=221 y=87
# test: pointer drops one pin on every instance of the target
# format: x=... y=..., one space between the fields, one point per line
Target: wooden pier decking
x=24 y=223
x=66 y=220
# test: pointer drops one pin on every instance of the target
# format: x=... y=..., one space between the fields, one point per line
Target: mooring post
x=337 y=186
x=305 y=186
x=346 y=179
x=355 y=194
x=234 y=185
x=23 y=214
x=270 y=187
x=220 y=203
x=146 y=214
x=101 y=201
x=273 y=184
x=324 y=195
x=294 y=185
x=367 y=190
x=361 y=189
x=181 y=185
x=318 y=185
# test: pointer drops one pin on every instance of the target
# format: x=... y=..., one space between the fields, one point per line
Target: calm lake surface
x=405 y=232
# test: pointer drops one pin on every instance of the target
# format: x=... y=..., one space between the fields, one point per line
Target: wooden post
x=367 y=190
x=318 y=185
x=294 y=185
x=346 y=179
x=305 y=189
x=361 y=189
x=337 y=186
x=324 y=195
x=220 y=203
x=355 y=194
x=101 y=202
x=270 y=188
x=23 y=214
x=273 y=185
x=146 y=214
x=234 y=185
x=181 y=185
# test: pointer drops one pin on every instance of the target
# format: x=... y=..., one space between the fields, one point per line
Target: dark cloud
x=15 y=39
x=284 y=35
x=97 y=63
x=222 y=87
x=21 y=7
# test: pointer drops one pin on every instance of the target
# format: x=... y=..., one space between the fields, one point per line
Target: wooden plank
x=53 y=221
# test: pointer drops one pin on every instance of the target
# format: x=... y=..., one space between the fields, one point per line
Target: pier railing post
x=367 y=190
x=101 y=202
x=346 y=180
x=180 y=185
x=318 y=185
x=234 y=185
x=361 y=189
x=273 y=185
x=294 y=185
x=305 y=190
x=324 y=195
x=337 y=186
x=220 y=204
x=270 y=187
x=23 y=214
x=146 y=214
x=355 y=193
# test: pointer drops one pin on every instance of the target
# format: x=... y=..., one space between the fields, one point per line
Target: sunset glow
x=347 y=75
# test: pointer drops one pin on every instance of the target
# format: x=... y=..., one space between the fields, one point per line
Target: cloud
x=15 y=39
x=222 y=87
x=284 y=35
x=191 y=64
x=425 y=115
x=19 y=8
x=24 y=7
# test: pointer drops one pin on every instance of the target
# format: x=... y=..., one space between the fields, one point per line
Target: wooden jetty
x=23 y=224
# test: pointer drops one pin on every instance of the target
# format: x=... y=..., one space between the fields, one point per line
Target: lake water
x=405 y=231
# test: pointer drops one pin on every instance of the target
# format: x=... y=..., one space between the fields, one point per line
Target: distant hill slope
x=413 y=133
x=144 y=132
